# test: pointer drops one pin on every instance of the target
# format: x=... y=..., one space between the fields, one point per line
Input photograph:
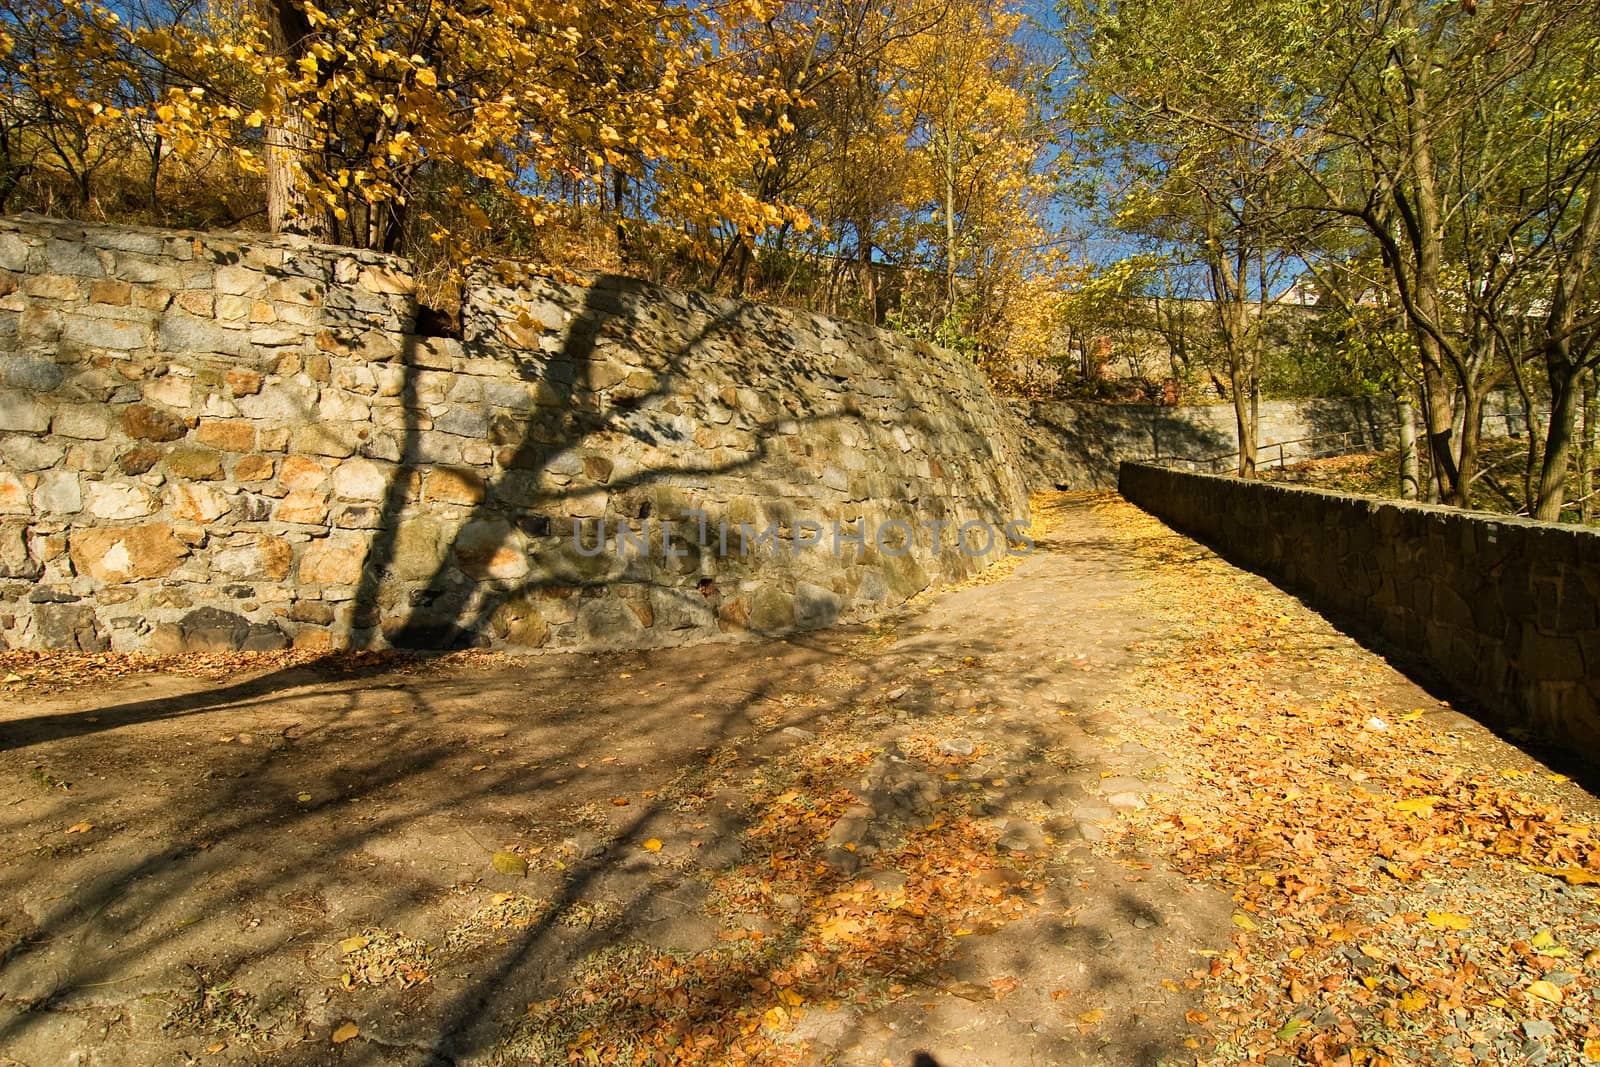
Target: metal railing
x=1345 y=442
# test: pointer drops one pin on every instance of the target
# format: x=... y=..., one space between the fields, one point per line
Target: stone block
x=230 y=435
x=253 y=468
x=815 y=606
x=139 y=459
x=304 y=508
x=359 y=479
x=14 y=495
x=58 y=493
x=111 y=334
x=116 y=555
x=607 y=620
x=194 y=463
x=20 y=413
x=213 y=630
x=145 y=423
x=84 y=422
x=302 y=473
x=119 y=500
x=771 y=610
x=336 y=440
x=242 y=381
x=453 y=486
x=196 y=503
x=491 y=550
x=31 y=374
x=335 y=561
x=68 y=628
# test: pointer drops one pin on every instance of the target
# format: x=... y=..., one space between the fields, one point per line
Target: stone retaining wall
x=1079 y=445
x=1506 y=610
x=212 y=440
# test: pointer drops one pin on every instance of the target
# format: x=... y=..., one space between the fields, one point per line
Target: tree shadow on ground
x=373 y=806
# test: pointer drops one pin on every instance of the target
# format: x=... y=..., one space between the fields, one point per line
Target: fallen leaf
x=354 y=944
x=1591 y=1050
x=80 y=828
x=509 y=863
x=1092 y=1016
x=1196 y=1017
x=620 y=802
x=304 y=798
x=1243 y=921
x=345 y=1032
x=653 y=845
x=1413 y=1000
x=1447 y=920
x=1571 y=875
x=1546 y=991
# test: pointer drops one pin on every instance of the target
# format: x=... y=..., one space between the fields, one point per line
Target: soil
x=925 y=835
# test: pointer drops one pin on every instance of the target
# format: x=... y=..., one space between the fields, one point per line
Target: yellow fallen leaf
x=653 y=845
x=345 y=1032
x=1243 y=921
x=215 y=1047
x=354 y=944
x=1546 y=991
x=1447 y=920
x=1169 y=985
x=1591 y=1050
x=1196 y=1017
x=1373 y=952
x=304 y=798
x=1413 y=1001
x=1419 y=806
x=1092 y=1016
x=80 y=828
x=509 y=863
x=1411 y=716
x=791 y=998
x=1571 y=875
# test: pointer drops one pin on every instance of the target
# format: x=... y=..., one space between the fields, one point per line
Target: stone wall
x=1505 y=610
x=230 y=441
x=1079 y=445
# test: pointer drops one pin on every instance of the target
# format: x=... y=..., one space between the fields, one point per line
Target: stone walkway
x=849 y=847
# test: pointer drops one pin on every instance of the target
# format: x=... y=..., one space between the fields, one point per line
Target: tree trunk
x=1410 y=477
x=1564 y=402
x=950 y=223
x=1586 y=453
x=1467 y=461
x=289 y=142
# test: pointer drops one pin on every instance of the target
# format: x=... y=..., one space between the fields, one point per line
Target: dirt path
x=959 y=831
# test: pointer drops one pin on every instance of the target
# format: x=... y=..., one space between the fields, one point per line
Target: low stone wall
x=1079 y=445
x=213 y=440
x=1506 y=610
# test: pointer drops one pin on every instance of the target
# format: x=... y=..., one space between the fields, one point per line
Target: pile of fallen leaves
x=1400 y=899
x=47 y=671
x=797 y=934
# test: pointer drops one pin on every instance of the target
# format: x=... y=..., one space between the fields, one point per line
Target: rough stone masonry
x=229 y=441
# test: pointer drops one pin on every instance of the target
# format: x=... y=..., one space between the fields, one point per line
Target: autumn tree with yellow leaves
x=798 y=150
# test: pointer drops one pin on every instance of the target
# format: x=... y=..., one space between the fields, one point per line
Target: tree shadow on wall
x=1084 y=451
x=484 y=564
